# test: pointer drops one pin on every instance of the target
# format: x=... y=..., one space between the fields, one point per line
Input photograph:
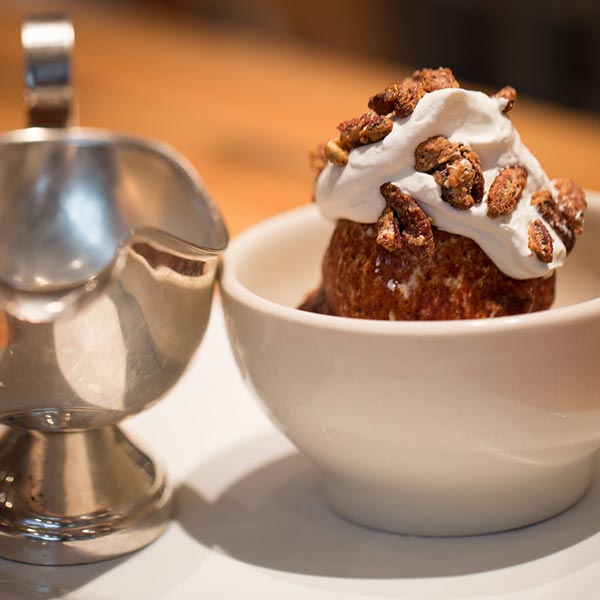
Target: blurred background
x=246 y=89
x=549 y=49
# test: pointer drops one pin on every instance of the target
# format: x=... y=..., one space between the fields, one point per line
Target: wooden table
x=244 y=110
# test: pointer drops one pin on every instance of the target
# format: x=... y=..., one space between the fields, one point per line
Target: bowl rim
x=232 y=287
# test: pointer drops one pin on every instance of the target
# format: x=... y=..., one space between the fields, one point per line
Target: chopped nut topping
x=356 y=132
x=458 y=180
x=565 y=214
x=505 y=191
x=436 y=79
x=384 y=102
x=548 y=210
x=543 y=201
x=335 y=153
x=408 y=97
x=540 y=241
x=571 y=203
x=411 y=225
x=316 y=159
x=362 y=130
x=388 y=234
x=456 y=168
x=435 y=152
x=398 y=99
x=510 y=95
x=402 y=98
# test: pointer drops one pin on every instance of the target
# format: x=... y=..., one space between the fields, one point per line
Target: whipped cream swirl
x=463 y=116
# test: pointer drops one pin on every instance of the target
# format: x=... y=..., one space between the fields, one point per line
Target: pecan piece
x=540 y=241
x=478 y=182
x=509 y=94
x=435 y=152
x=316 y=159
x=456 y=168
x=384 y=102
x=414 y=224
x=388 y=230
x=549 y=211
x=544 y=202
x=505 y=191
x=402 y=98
x=398 y=98
x=571 y=203
x=362 y=130
x=565 y=214
x=408 y=97
x=435 y=79
x=335 y=153
x=454 y=184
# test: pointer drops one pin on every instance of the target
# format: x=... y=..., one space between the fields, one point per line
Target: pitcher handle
x=47 y=44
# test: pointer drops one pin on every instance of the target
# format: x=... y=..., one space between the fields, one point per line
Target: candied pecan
x=414 y=224
x=456 y=168
x=544 y=202
x=540 y=241
x=510 y=95
x=435 y=152
x=435 y=79
x=549 y=211
x=402 y=98
x=571 y=203
x=505 y=191
x=461 y=182
x=316 y=159
x=454 y=183
x=478 y=185
x=565 y=214
x=335 y=153
x=365 y=129
x=388 y=230
x=398 y=98
x=384 y=102
x=408 y=97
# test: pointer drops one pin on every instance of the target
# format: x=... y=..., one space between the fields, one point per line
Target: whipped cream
x=467 y=117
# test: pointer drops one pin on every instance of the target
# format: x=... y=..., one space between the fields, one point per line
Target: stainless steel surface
x=55 y=510
x=109 y=248
x=47 y=43
x=108 y=253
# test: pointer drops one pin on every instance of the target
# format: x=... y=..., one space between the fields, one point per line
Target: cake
x=441 y=212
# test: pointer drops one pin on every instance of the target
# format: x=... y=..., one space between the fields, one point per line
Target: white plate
x=250 y=523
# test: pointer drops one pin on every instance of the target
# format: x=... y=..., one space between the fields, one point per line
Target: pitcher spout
x=75 y=202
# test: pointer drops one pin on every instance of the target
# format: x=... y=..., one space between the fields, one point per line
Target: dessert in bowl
x=437 y=427
x=441 y=210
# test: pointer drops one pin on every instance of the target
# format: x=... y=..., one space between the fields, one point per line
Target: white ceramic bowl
x=434 y=428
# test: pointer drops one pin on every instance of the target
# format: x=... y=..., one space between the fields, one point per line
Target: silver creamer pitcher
x=108 y=252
